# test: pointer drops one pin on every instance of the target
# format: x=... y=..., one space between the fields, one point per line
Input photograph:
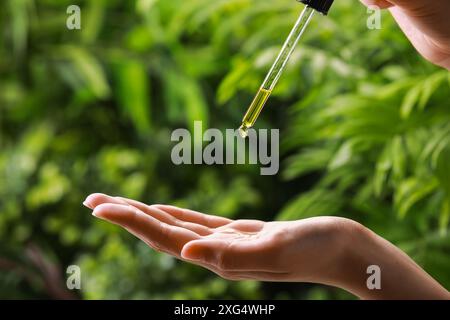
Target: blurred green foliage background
x=365 y=133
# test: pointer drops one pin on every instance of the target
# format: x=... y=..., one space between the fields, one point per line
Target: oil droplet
x=243 y=131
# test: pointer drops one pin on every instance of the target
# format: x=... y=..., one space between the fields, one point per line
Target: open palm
x=235 y=250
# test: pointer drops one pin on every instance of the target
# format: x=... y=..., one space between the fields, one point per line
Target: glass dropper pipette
x=278 y=66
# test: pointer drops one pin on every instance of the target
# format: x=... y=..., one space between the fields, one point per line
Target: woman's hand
x=235 y=250
x=425 y=23
x=328 y=250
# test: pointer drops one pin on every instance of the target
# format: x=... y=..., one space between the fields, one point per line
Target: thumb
x=408 y=5
x=206 y=251
x=382 y=4
x=230 y=256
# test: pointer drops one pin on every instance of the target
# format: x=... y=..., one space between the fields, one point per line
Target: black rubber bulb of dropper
x=321 y=6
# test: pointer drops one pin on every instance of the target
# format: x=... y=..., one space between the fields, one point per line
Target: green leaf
x=19 y=10
x=185 y=99
x=313 y=203
x=444 y=217
x=442 y=171
x=436 y=142
x=430 y=85
x=230 y=84
x=93 y=16
x=133 y=95
x=342 y=156
x=410 y=100
x=399 y=158
x=383 y=167
x=88 y=68
x=194 y=102
x=52 y=186
x=306 y=161
x=412 y=191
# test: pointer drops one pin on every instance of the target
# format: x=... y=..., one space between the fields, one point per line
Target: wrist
x=399 y=276
x=356 y=253
x=339 y=254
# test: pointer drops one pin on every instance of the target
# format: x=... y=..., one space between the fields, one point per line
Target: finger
x=95 y=199
x=98 y=198
x=428 y=49
x=246 y=275
x=194 y=216
x=249 y=275
x=165 y=237
x=257 y=275
x=181 y=214
x=161 y=215
x=382 y=4
x=232 y=256
x=411 y=5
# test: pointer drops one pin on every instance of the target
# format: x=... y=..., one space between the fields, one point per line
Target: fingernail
x=96 y=212
x=87 y=204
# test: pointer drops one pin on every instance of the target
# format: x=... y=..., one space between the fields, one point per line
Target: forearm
x=401 y=277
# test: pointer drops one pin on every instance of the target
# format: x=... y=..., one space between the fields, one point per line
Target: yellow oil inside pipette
x=253 y=111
